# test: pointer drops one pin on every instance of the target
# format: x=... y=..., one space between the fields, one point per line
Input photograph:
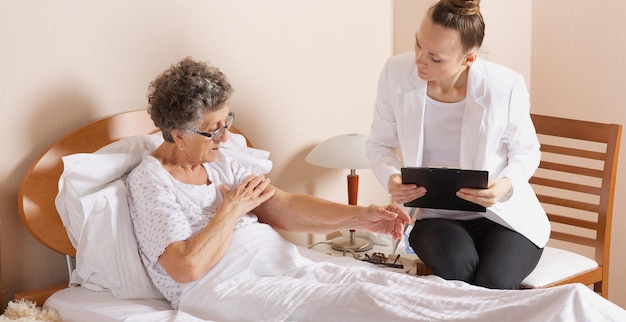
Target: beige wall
x=571 y=54
x=303 y=71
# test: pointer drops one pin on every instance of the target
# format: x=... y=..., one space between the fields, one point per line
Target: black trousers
x=478 y=251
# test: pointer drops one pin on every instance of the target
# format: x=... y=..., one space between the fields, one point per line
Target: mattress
x=78 y=304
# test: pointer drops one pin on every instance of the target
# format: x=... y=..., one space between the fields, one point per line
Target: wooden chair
x=575 y=183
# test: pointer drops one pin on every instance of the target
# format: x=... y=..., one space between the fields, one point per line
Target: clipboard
x=442 y=184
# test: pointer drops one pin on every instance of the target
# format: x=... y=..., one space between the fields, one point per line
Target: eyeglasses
x=219 y=133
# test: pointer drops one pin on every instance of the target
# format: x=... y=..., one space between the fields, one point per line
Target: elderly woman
x=188 y=200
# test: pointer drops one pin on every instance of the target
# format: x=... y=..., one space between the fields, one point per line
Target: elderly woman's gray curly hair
x=179 y=97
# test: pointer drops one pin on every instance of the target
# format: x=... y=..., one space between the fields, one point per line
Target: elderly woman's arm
x=306 y=213
x=187 y=260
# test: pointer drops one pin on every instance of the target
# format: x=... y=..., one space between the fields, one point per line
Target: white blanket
x=254 y=283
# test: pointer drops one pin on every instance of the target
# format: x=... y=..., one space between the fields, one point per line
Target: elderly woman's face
x=204 y=149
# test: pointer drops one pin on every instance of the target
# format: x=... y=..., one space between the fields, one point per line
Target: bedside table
x=410 y=262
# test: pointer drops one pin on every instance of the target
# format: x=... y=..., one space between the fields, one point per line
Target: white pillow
x=84 y=174
x=107 y=256
x=92 y=203
x=254 y=160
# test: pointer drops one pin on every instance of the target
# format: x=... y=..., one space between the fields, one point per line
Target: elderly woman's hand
x=389 y=219
x=252 y=192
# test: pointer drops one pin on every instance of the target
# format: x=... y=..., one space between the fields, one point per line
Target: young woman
x=444 y=106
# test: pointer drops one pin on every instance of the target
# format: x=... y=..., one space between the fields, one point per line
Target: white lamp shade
x=345 y=151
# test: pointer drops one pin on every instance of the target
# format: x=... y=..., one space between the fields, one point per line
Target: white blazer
x=497 y=135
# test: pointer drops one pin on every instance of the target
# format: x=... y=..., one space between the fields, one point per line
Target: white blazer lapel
x=413 y=104
x=473 y=133
x=473 y=130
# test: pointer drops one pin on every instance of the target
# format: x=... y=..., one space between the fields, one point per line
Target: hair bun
x=463 y=7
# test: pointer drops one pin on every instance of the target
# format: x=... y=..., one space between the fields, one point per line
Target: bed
x=72 y=199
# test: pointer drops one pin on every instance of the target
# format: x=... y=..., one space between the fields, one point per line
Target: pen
x=397 y=242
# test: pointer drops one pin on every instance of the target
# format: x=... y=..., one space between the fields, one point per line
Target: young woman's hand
x=401 y=193
x=496 y=189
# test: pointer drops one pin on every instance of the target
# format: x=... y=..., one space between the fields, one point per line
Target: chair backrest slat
x=568 y=203
x=571 y=238
x=585 y=171
x=566 y=185
x=573 y=152
x=566 y=220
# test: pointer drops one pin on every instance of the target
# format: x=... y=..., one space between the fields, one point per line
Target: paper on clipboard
x=442 y=184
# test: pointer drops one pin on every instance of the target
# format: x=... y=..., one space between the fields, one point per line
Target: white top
x=165 y=210
x=497 y=135
x=442 y=145
x=442 y=133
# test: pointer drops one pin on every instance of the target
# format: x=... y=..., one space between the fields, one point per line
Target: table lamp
x=345 y=151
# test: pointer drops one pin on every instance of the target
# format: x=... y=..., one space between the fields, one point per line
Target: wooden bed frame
x=38 y=190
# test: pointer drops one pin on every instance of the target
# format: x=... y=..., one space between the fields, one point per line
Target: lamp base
x=352 y=243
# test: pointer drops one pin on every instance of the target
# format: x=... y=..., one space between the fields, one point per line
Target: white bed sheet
x=435 y=300
x=78 y=304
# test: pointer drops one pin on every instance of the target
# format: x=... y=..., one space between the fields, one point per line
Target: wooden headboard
x=40 y=184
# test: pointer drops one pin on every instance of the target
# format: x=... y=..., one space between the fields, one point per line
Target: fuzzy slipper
x=26 y=311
